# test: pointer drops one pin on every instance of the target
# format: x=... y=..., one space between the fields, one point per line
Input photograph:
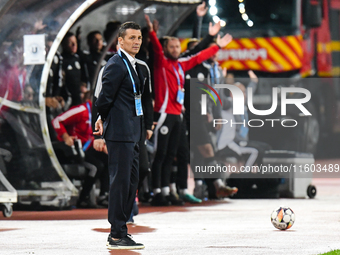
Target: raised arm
x=190 y=62
x=209 y=38
x=253 y=80
x=157 y=47
x=201 y=10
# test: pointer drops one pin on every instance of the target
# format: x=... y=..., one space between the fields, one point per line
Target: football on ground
x=283 y=218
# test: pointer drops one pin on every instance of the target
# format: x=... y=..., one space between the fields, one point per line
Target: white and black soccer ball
x=283 y=218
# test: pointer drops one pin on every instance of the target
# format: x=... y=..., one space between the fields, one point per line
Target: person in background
x=169 y=98
x=92 y=57
x=57 y=97
x=194 y=46
x=239 y=135
x=73 y=68
x=28 y=93
x=76 y=124
x=13 y=75
x=208 y=72
x=111 y=37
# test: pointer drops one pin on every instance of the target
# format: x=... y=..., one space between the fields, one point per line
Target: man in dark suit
x=120 y=109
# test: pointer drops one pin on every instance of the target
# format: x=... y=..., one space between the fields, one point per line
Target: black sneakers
x=159 y=200
x=125 y=243
x=174 y=200
x=86 y=204
x=144 y=197
x=108 y=240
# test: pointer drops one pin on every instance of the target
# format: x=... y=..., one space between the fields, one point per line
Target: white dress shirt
x=131 y=59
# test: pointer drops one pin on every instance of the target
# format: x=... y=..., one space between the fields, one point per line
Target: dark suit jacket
x=116 y=101
x=147 y=96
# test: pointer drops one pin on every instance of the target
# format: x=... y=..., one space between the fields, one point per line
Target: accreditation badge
x=180 y=96
x=138 y=105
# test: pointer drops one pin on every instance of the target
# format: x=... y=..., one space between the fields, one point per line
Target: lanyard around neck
x=90 y=114
x=214 y=74
x=87 y=144
x=128 y=68
x=179 y=82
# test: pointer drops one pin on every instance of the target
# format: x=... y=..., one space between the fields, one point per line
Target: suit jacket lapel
x=134 y=74
x=141 y=77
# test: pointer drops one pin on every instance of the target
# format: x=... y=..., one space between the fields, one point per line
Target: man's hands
x=224 y=41
x=201 y=10
x=38 y=25
x=69 y=140
x=148 y=134
x=214 y=29
x=55 y=102
x=152 y=26
x=100 y=145
x=98 y=126
x=51 y=102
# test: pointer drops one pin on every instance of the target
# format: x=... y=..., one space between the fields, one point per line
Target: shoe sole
x=117 y=247
x=160 y=204
x=178 y=203
x=193 y=202
x=226 y=194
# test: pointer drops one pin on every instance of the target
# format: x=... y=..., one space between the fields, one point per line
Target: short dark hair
x=191 y=42
x=91 y=35
x=111 y=27
x=87 y=95
x=64 y=41
x=127 y=25
x=164 y=40
x=145 y=32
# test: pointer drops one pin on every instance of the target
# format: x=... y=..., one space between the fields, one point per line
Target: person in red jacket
x=76 y=124
x=169 y=79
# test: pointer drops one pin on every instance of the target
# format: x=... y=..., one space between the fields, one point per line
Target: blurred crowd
x=164 y=149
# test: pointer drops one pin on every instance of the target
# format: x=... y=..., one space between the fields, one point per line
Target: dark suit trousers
x=144 y=167
x=123 y=171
